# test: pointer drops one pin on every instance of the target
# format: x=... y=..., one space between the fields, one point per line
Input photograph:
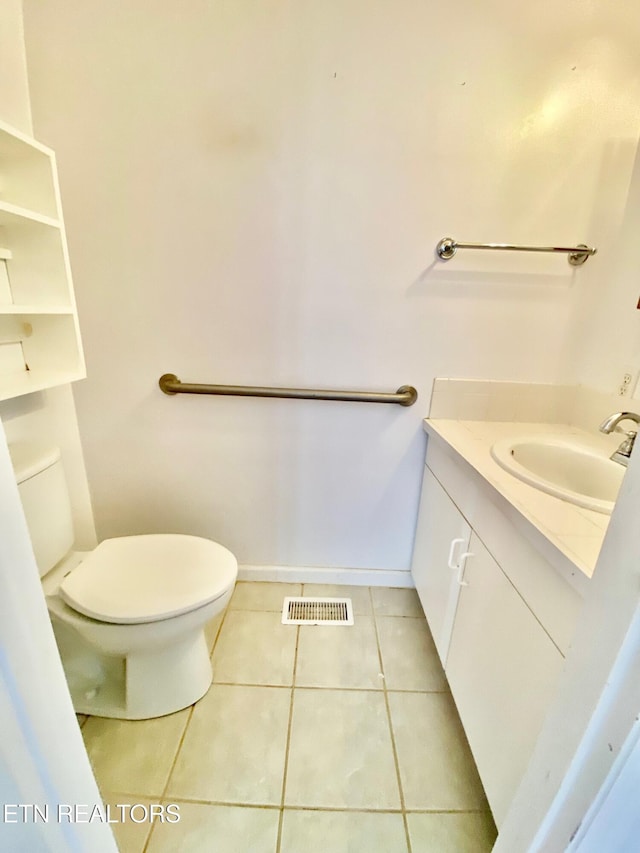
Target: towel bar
x=447 y=247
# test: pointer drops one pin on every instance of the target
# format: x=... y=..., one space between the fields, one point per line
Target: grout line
x=255 y=610
x=286 y=751
x=189 y=718
x=399 y=616
x=182 y=739
x=349 y=810
x=314 y=686
x=215 y=642
x=251 y=684
x=446 y=691
x=276 y=807
x=324 y=687
x=184 y=733
x=448 y=811
x=269 y=807
x=171 y=769
x=393 y=740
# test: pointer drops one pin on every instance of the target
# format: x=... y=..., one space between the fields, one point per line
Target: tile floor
x=315 y=739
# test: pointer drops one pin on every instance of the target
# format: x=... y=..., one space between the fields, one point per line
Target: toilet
x=130 y=616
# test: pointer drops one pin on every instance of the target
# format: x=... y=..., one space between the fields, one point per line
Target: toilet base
x=146 y=684
x=151 y=680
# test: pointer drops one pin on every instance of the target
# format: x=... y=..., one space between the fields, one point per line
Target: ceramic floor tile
x=130 y=835
x=409 y=655
x=134 y=755
x=342 y=832
x=451 y=833
x=359 y=595
x=217 y=829
x=339 y=657
x=396 y=602
x=436 y=767
x=254 y=648
x=234 y=748
x=262 y=595
x=340 y=753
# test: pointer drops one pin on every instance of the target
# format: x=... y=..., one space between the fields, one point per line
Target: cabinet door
x=503 y=670
x=442 y=535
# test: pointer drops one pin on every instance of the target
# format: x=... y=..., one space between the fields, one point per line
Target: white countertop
x=575 y=531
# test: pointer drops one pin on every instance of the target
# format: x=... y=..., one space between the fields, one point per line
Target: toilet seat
x=136 y=579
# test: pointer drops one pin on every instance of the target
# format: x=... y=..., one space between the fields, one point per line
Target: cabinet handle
x=454 y=543
x=462 y=566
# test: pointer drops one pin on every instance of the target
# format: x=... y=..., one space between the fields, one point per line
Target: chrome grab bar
x=406 y=395
x=447 y=247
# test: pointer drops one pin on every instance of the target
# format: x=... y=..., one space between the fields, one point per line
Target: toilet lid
x=135 y=579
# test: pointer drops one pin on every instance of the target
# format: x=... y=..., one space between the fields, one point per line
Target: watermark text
x=89 y=813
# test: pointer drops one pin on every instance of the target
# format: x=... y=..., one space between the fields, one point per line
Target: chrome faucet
x=623 y=453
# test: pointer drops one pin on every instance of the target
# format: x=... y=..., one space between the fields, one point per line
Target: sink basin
x=564 y=466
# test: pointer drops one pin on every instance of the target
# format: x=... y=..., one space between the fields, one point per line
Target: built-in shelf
x=40 y=343
x=11 y=213
x=30 y=381
x=28 y=168
x=45 y=308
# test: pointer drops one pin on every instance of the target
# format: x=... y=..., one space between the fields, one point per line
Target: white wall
x=605 y=343
x=253 y=194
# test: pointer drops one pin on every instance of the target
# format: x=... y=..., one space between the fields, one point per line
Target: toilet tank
x=45 y=501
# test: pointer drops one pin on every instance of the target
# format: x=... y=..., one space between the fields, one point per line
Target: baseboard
x=327 y=574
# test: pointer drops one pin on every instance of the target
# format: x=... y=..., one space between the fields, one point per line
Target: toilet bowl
x=130 y=616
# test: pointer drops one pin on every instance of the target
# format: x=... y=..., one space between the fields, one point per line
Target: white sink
x=564 y=466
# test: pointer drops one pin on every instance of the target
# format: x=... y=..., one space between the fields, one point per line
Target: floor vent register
x=317 y=611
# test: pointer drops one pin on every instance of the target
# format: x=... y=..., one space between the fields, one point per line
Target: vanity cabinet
x=501 y=617
x=442 y=538
x=39 y=335
x=503 y=669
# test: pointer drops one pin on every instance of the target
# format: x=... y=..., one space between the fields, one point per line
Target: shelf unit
x=40 y=344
